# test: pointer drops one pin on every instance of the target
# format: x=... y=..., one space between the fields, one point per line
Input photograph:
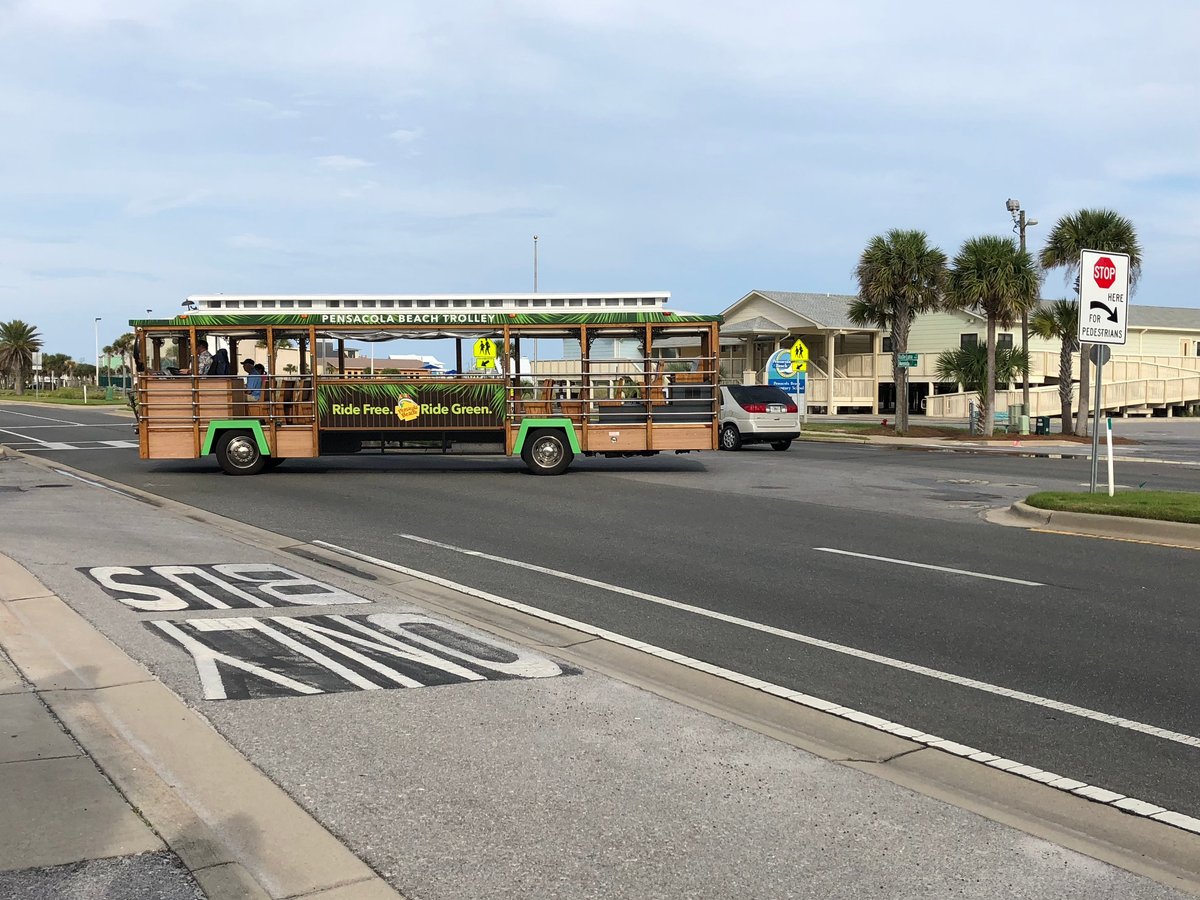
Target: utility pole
x=96 y=326
x=1020 y=223
x=535 y=240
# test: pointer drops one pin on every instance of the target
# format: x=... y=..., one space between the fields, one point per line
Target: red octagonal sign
x=1105 y=272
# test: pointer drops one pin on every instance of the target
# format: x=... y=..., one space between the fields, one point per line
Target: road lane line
x=98 y=484
x=917 y=565
x=14 y=412
x=949 y=677
x=26 y=437
x=1131 y=805
x=71 y=425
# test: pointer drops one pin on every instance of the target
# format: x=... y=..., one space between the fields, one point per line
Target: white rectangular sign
x=1103 y=297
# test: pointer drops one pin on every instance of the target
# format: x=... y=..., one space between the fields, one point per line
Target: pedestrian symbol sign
x=485 y=354
x=799 y=355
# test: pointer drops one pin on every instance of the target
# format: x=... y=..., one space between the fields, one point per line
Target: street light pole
x=1020 y=223
x=96 y=324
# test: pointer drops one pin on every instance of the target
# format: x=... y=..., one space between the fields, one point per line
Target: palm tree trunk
x=989 y=425
x=1085 y=381
x=1065 y=387
x=899 y=375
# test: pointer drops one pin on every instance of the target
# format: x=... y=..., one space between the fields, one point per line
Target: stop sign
x=1105 y=272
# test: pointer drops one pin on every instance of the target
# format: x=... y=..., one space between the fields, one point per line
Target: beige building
x=1157 y=372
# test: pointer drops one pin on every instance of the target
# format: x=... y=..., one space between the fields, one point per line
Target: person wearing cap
x=254 y=381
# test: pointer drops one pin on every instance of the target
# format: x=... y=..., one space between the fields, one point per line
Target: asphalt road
x=1108 y=626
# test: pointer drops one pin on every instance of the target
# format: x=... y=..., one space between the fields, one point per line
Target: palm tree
x=290 y=368
x=125 y=346
x=18 y=342
x=994 y=276
x=1060 y=320
x=899 y=276
x=968 y=366
x=1090 y=229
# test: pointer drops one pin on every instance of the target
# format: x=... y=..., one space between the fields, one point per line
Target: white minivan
x=757 y=414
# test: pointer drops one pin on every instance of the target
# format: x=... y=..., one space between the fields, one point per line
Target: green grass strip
x=1167 y=506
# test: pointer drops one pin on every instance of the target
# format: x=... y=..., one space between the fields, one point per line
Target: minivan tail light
x=753 y=407
x=791 y=407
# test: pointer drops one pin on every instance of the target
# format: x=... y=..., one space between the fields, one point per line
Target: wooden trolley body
x=659 y=395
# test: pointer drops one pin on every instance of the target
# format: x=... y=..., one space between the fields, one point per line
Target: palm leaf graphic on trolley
x=391 y=393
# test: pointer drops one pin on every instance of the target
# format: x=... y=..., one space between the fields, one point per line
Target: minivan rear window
x=757 y=393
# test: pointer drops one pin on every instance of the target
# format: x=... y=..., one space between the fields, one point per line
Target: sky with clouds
x=159 y=148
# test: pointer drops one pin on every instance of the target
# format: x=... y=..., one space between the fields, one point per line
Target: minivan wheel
x=731 y=438
x=780 y=445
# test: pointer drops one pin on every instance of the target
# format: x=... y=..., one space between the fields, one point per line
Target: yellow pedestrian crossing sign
x=799 y=354
x=485 y=354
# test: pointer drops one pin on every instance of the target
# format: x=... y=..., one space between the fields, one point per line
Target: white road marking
x=71 y=425
x=27 y=437
x=917 y=565
x=96 y=484
x=1091 y=792
x=949 y=677
x=8 y=411
x=39 y=445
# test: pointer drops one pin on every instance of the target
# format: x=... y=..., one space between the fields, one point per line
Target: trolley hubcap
x=242 y=452
x=547 y=453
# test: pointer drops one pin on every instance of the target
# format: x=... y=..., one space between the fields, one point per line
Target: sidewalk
x=457 y=749
x=68 y=833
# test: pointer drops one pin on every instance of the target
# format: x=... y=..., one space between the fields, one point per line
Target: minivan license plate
x=775 y=407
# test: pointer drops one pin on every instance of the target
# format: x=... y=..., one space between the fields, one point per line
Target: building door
x=887 y=397
x=916 y=398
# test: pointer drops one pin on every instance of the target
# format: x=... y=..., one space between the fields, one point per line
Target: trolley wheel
x=238 y=454
x=547 y=452
x=731 y=438
x=780 y=445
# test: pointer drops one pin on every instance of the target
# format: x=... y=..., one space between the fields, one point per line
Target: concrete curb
x=237 y=832
x=1179 y=534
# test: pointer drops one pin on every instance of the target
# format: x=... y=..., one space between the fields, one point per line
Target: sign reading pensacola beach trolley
x=1103 y=297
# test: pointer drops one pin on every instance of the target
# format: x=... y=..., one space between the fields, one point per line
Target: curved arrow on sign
x=1112 y=313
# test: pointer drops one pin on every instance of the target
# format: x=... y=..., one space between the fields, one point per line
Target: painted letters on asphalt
x=215 y=586
x=280 y=656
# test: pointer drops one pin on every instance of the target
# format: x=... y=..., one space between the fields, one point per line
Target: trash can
x=1043 y=425
x=108 y=393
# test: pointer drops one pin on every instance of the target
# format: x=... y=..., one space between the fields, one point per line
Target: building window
x=968 y=341
x=887 y=343
x=1004 y=342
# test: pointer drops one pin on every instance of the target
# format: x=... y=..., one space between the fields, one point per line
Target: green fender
x=563 y=424
x=216 y=426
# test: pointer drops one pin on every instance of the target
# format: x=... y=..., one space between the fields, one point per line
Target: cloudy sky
x=158 y=148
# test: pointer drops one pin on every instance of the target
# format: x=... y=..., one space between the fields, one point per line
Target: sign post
x=799 y=356
x=1103 y=316
x=788 y=377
